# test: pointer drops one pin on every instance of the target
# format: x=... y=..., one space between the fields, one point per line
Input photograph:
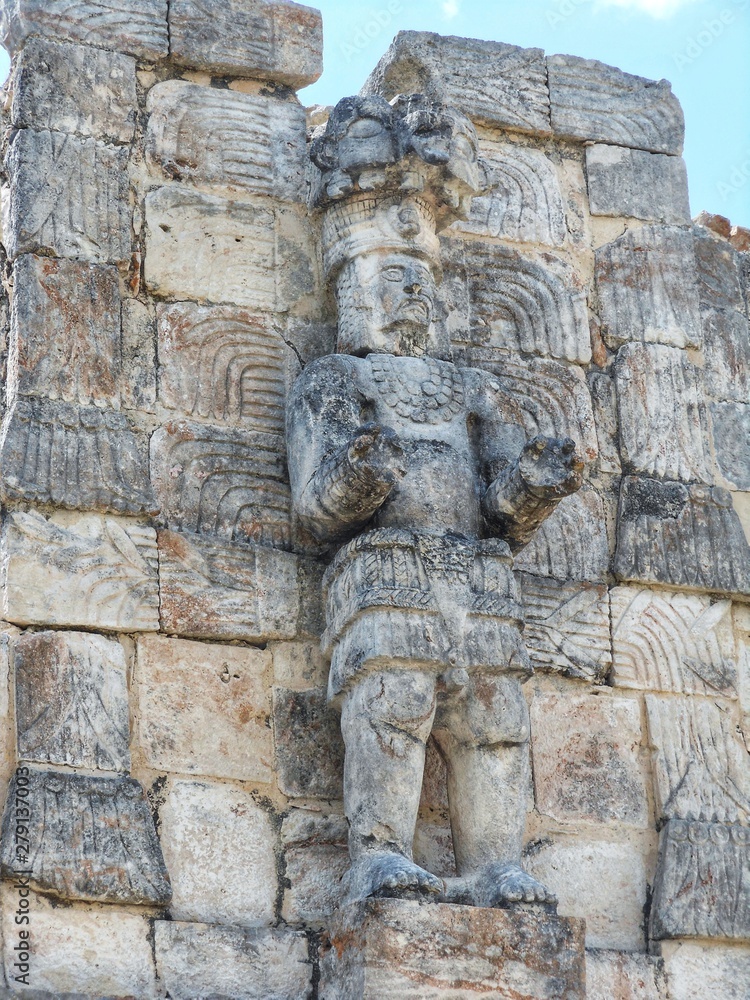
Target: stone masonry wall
x=162 y=688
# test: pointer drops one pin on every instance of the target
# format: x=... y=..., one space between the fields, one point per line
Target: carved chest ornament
x=435 y=399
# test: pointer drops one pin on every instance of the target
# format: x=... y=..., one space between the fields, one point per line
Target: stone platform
x=390 y=949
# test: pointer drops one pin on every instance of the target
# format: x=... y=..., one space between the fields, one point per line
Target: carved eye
x=393 y=273
x=366 y=128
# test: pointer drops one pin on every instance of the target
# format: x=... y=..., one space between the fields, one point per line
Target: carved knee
x=392 y=702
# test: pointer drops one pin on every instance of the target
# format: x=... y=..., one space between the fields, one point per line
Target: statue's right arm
x=341 y=469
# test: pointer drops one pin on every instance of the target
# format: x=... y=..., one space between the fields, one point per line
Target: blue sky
x=701 y=46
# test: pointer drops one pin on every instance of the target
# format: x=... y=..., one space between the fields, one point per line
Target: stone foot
x=387 y=874
x=499 y=885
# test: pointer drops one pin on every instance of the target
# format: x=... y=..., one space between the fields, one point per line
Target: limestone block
x=637 y=184
x=316 y=859
x=687 y=536
x=605 y=883
x=494 y=84
x=213 y=589
x=309 y=745
x=703 y=882
x=599 y=103
x=616 y=975
x=718 y=224
x=708 y=970
x=524 y=203
x=81 y=303
x=662 y=414
x=586 y=757
x=299 y=666
x=567 y=627
x=726 y=349
x=80 y=571
x=224 y=364
x=76 y=89
x=72 y=700
x=719 y=272
x=138 y=27
x=69 y=197
x=82 y=458
x=204 y=708
x=572 y=543
x=247 y=964
x=604 y=403
x=700 y=768
x=89 y=838
x=401 y=949
x=138 y=385
x=222 y=481
x=247 y=142
x=647 y=287
x=219 y=848
x=731 y=427
x=498 y=297
x=260 y=39
x=666 y=641
x=80 y=951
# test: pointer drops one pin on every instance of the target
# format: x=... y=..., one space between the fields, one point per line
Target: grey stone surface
x=647 y=288
x=72 y=700
x=309 y=748
x=637 y=184
x=316 y=860
x=689 y=536
x=592 y=101
x=83 y=571
x=260 y=39
x=88 y=838
x=702 y=884
x=731 y=429
x=76 y=89
x=138 y=344
x=215 y=589
x=726 y=348
x=69 y=197
x=82 y=458
x=720 y=278
x=695 y=967
x=616 y=975
x=209 y=960
x=246 y=142
x=400 y=949
x=139 y=28
x=495 y=84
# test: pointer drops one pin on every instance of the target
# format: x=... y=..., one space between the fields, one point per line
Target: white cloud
x=656 y=8
x=450 y=9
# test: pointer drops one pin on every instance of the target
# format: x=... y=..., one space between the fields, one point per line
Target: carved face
x=368 y=143
x=386 y=305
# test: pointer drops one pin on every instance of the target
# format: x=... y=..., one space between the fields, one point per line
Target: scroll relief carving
x=419 y=468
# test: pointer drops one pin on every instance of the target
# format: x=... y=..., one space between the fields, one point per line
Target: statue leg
x=386 y=719
x=483 y=734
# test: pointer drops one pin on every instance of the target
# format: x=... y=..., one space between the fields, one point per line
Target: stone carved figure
x=408 y=461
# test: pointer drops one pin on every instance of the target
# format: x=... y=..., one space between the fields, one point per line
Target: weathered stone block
x=82 y=458
x=604 y=405
x=496 y=296
x=524 y=204
x=616 y=975
x=219 y=847
x=299 y=666
x=72 y=700
x=138 y=385
x=204 y=708
x=399 y=948
x=708 y=970
x=703 y=882
x=88 y=838
x=75 y=88
x=726 y=349
x=225 y=364
x=687 y=536
x=260 y=39
x=681 y=643
x=567 y=627
x=69 y=197
x=309 y=746
x=81 y=304
x=495 y=84
x=246 y=142
x=647 y=287
x=605 y=883
x=719 y=272
x=662 y=414
x=316 y=859
x=222 y=481
x=246 y=964
x=599 y=103
x=586 y=752
x=80 y=571
x=731 y=427
x=80 y=951
x=637 y=184
x=140 y=27
x=212 y=589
